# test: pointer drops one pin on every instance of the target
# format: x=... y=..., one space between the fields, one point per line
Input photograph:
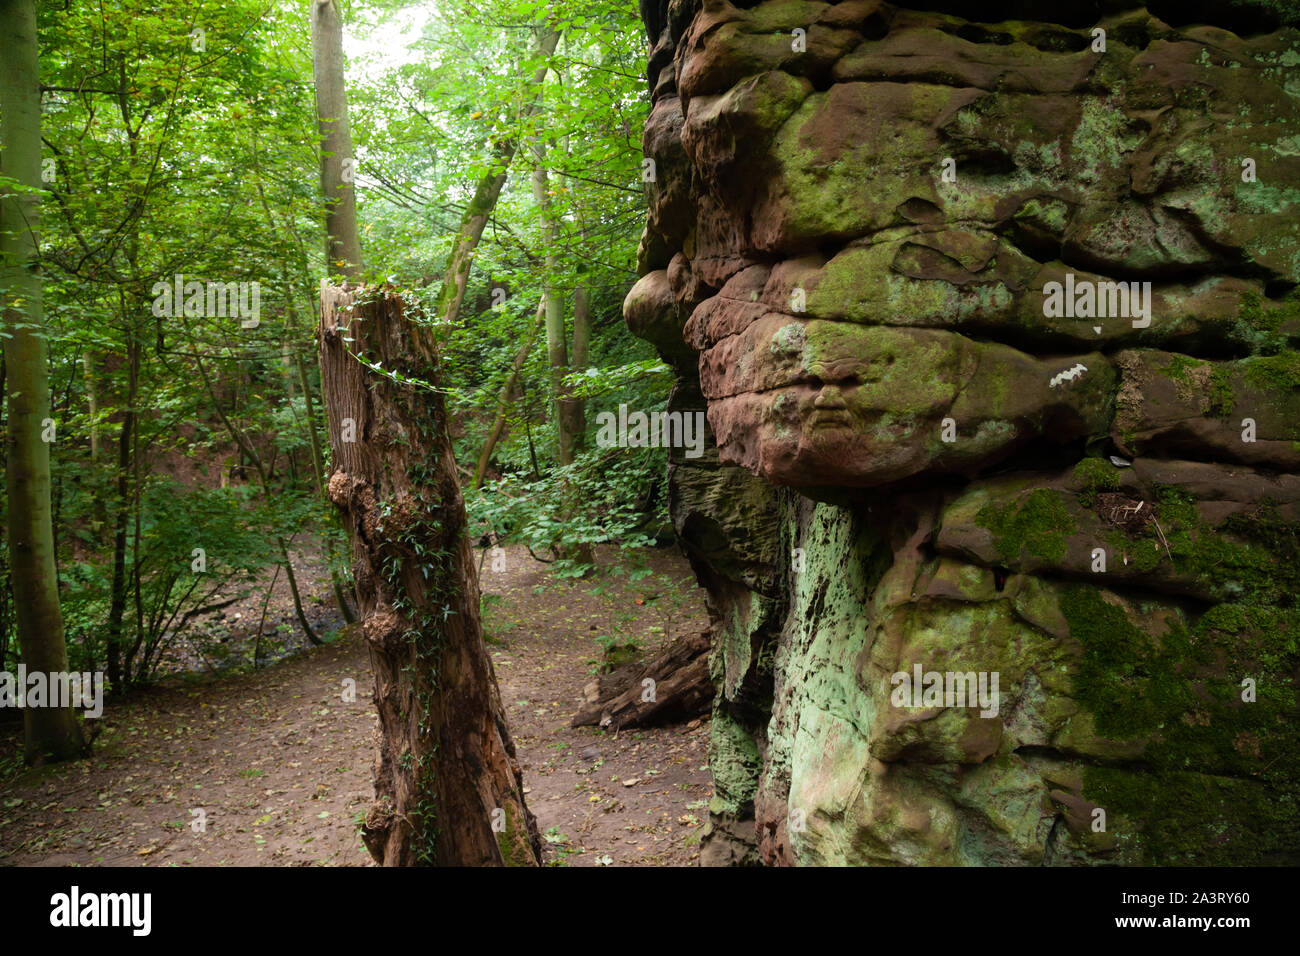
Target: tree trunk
x=50 y=733
x=91 y=379
x=485 y=198
x=680 y=688
x=117 y=593
x=503 y=401
x=128 y=490
x=581 y=340
x=342 y=241
x=557 y=352
x=297 y=595
x=447 y=784
x=557 y=358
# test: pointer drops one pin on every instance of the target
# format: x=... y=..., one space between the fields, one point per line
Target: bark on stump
x=448 y=790
x=680 y=688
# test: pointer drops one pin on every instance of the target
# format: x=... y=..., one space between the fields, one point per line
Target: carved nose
x=829 y=397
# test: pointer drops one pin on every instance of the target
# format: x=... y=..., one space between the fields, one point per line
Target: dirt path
x=638 y=797
x=277 y=765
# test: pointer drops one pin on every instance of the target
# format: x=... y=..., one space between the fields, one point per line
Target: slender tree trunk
x=342 y=241
x=485 y=198
x=92 y=400
x=503 y=400
x=557 y=352
x=50 y=733
x=448 y=787
x=581 y=342
x=297 y=596
x=99 y=498
x=286 y=360
x=121 y=517
x=557 y=358
x=120 y=671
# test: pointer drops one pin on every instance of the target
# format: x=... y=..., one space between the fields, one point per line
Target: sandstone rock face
x=995 y=324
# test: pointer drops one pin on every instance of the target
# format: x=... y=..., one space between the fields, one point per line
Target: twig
x=257 y=645
x=1162 y=538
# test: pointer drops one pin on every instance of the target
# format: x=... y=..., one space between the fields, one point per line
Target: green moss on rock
x=1095 y=475
x=1185 y=818
x=1177 y=684
x=1038 y=525
x=734 y=760
x=1274 y=372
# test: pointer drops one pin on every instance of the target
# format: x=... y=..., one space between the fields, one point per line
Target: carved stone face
x=816 y=403
x=946 y=183
x=878 y=242
x=846 y=394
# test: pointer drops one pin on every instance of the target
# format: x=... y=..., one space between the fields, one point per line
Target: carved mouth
x=830 y=418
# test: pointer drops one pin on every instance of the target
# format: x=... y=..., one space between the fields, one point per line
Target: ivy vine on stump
x=448 y=790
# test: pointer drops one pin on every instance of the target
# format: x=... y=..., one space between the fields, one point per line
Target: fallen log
x=672 y=686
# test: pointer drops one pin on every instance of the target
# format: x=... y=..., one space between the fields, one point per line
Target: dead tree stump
x=448 y=790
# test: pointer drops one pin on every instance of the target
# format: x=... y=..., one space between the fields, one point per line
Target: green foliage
x=170 y=153
x=431 y=127
x=233 y=534
x=595 y=382
x=176 y=155
x=600 y=499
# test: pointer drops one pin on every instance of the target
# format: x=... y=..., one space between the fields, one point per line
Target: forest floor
x=278 y=766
